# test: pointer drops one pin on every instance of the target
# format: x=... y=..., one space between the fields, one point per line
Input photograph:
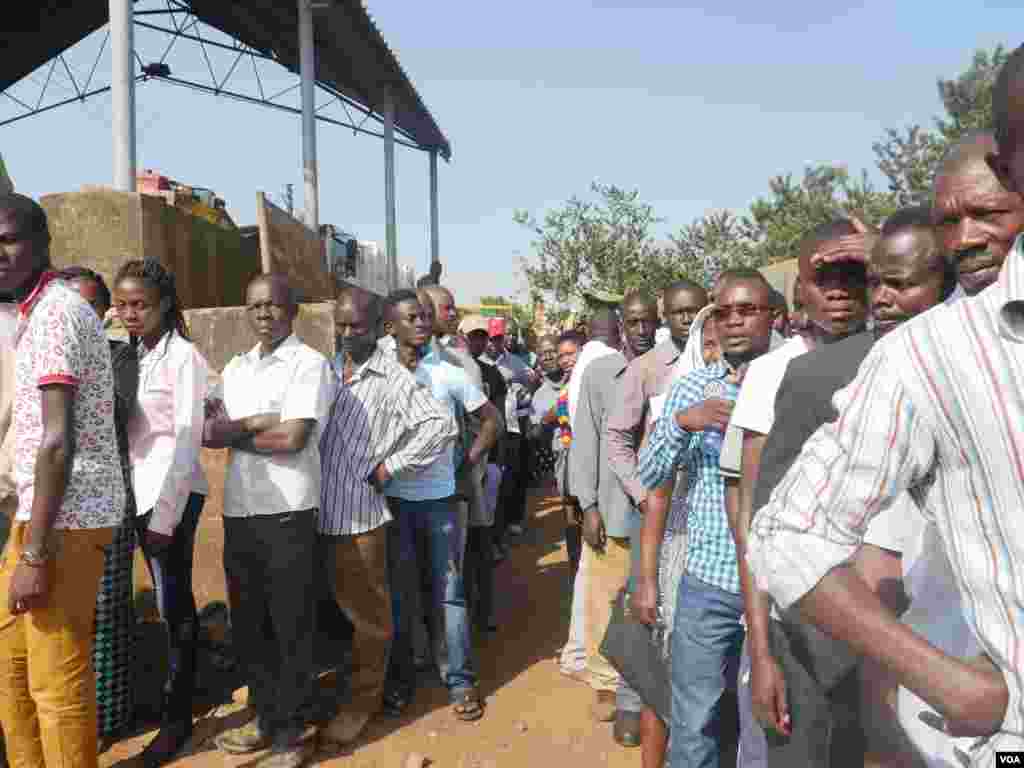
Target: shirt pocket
x=156 y=382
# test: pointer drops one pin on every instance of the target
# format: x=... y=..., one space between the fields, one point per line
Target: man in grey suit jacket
x=609 y=517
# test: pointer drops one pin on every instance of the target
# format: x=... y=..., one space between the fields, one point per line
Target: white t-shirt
x=934 y=614
x=755 y=407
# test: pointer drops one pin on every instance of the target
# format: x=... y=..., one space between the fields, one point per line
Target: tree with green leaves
x=777 y=223
x=715 y=242
x=908 y=158
x=605 y=244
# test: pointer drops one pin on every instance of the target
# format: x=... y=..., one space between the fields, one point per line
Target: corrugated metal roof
x=352 y=55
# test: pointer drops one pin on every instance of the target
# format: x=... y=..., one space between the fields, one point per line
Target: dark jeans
x=434 y=525
x=269 y=562
x=171 y=572
x=479 y=573
x=821 y=687
x=512 y=491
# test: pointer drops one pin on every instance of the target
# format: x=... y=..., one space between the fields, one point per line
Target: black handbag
x=634 y=649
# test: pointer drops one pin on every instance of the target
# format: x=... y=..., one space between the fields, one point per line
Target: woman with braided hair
x=165 y=435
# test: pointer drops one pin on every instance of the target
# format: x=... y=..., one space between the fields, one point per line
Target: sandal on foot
x=396 y=701
x=467 y=706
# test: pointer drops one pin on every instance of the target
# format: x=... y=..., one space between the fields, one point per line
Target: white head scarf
x=693 y=353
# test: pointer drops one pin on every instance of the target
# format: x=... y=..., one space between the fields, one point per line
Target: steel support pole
x=122 y=79
x=435 y=236
x=307 y=73
x=391 y=230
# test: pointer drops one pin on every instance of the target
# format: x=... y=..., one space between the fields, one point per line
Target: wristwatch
x=35 y=558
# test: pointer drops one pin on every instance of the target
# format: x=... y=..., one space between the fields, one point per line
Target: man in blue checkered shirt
x=707 y=634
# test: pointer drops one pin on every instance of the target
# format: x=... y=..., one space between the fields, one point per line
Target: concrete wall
x=101 y=228
x=289 y=246
x=223 y=332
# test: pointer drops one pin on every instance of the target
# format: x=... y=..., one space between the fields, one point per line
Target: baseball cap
x=472 y=323
x=496 y=327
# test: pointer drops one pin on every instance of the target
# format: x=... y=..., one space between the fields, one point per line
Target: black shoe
x=627 y=729
x=167 y=744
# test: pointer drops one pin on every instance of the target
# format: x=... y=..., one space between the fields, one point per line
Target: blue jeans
x=706 y=642
x=431 y=528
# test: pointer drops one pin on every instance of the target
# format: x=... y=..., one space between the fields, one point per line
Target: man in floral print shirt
x=70 y=498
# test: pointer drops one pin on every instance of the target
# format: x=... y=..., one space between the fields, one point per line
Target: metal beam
x=390 y=225
x=307 y=73
x=435 y=238
x=122 y=82
x=265 y=102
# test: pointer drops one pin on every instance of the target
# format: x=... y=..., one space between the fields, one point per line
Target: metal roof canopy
x=352 y=59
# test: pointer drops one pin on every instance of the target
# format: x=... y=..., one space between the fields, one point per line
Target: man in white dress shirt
x=275 y=397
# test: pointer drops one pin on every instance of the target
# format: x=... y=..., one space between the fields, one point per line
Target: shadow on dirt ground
x=535 y=716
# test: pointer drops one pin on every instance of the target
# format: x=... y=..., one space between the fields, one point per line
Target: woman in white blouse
x=165 y=436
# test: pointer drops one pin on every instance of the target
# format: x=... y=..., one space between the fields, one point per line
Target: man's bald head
x=640 y=300
x=967 y=155
x=369 y=304
x=604 y=326
x=279 y=285
x=977 y=217
x=271 y=308
x=29 y=215
x=695 y=290
x=681 y=302
x=442 y=302
x=639 y=321
x=437 y=292
x=24 y=243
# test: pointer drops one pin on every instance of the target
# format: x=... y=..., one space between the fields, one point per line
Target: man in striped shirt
x=937 y=409
x=381 y=425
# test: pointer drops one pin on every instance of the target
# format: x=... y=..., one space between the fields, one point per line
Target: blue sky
x=696 y=106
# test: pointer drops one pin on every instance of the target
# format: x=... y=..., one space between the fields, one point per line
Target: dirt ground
x=534 y=716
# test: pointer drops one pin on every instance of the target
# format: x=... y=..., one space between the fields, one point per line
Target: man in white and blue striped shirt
x=382 y=425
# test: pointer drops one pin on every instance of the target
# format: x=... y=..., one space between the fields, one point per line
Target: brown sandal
x=467 y=706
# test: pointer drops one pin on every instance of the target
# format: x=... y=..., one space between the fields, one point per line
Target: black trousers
x=479 y=573
x=171 y=572
x=823 y=695
x=512 y=491
x=270 y=562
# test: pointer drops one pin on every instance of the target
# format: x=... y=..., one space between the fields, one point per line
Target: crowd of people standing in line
x=816 y=509
x=389 y=475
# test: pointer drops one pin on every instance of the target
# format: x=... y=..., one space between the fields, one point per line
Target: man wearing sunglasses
x=707 y=635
